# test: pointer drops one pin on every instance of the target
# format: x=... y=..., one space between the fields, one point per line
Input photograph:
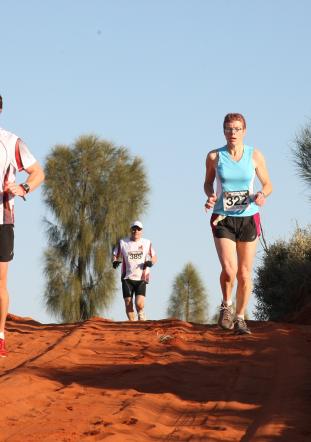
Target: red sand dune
x=155 y=381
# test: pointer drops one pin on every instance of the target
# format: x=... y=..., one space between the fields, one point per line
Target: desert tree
x=188 y=299
x=301 y=151
x=93 y=190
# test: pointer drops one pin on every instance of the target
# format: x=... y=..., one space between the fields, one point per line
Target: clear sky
x=156 y=76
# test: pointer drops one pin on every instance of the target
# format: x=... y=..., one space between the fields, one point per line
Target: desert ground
x=164 y=380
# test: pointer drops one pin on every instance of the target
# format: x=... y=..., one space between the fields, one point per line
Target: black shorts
x=236 y=228
x=6 y=242
x=131 y=287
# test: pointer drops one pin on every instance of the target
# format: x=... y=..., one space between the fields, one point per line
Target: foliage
x=188 y=300
x=302 y=154
x=93 y=190
x=283 y=280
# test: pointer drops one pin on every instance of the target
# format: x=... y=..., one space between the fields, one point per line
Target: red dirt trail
x=147 y=381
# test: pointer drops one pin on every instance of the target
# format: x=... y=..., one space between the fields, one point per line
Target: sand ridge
x=162 y=380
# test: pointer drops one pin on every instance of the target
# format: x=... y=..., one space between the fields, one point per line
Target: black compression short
x=6 y=242
x=131 y=287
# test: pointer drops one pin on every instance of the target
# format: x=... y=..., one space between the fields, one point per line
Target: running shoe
x=240 y=327
x=3 y=352
x=225 y=320
x=141 y=316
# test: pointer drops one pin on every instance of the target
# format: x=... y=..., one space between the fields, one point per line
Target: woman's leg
x=226 y=250
x=245 y=253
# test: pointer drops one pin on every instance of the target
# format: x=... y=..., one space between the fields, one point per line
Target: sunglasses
x=135 y=228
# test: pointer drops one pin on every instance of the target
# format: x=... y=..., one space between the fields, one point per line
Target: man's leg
x=4 y=304
x=246 y=253
x=128 y=291
x=140 y=305
x=4 y=296
x=129 y=308
x=140 y=294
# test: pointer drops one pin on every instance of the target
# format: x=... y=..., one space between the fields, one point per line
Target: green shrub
x=282 y=285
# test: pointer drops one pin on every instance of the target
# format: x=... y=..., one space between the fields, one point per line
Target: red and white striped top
x=14 y=156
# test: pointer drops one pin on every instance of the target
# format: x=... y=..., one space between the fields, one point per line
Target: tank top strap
x=248 y=152
x=222 y=153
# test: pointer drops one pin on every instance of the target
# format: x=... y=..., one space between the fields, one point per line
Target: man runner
x=137 y=256
x=14 y=156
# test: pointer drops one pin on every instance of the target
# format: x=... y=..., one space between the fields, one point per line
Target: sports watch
x=26 y=187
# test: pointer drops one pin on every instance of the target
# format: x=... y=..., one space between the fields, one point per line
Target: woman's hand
x=260 y=199
x=210 y=202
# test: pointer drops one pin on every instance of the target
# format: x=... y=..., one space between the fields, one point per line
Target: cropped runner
x=136 y=255
x=235 y=220
x=14 y=157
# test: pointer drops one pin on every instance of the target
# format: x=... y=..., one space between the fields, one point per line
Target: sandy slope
x=155 y=381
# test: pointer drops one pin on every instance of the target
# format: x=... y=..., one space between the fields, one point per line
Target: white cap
x=137 y=223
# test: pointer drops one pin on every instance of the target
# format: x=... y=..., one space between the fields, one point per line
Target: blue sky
x=157 y=77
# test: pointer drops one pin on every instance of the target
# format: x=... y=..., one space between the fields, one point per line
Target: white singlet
x=134 y=254
x=14 y=156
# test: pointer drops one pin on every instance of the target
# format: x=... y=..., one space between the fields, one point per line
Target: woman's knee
x=244 y=276
x=229 y=273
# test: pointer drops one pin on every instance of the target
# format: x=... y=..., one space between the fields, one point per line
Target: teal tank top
x=235 y=184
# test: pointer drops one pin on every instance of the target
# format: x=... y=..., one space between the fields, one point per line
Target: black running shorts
x=131 y=287
x=6 y=242
x=236 y=228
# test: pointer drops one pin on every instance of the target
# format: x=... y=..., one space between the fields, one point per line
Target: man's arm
x=34 y=179
x=116 y=256
x=153 y=258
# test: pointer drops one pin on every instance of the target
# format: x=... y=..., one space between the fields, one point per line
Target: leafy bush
x=283 y=282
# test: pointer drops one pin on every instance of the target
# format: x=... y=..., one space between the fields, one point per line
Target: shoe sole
x=242 y=332
x=226 y=328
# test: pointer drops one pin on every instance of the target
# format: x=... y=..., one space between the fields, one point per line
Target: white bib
x=236 y=200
